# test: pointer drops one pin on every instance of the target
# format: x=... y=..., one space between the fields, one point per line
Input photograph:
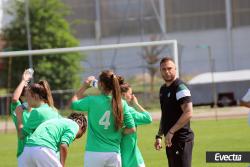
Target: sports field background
x=210 y=135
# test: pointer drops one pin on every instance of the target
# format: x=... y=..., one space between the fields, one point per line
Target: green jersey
x=102 y=135
x=53 y=133
x=130 y=152
x=37 y=116
x=25 y=116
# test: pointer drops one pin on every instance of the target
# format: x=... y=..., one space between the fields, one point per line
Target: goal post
x=172 y=43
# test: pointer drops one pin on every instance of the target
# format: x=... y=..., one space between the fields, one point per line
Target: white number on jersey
x=105 y=120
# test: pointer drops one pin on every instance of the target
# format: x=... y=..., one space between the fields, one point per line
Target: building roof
x=228 y=76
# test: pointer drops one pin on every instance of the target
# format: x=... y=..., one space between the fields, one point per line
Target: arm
x=17 y=93
x=129 y=130
x=63 y=153
x=128 y=120
x=158 y=137
x=187 y=109
x=70 y=133
x=86 y=84
x=136 y=104
x=19 y=115
x=79 y=94
x=140 y=118
x=140 y=115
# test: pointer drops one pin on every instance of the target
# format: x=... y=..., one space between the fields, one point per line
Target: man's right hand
x=157 y=144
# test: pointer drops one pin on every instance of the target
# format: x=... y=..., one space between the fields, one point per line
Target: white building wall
x=193 y=60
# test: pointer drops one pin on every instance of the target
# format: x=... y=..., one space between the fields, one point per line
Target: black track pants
x=180 y=154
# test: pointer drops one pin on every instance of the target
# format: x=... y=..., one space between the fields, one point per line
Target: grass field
x=210 y=135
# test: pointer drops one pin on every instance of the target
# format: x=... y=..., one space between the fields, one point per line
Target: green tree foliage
x=49 y=29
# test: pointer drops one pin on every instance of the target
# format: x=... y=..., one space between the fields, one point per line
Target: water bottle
x=25 y=106
x=30 y=71
x=94 y=83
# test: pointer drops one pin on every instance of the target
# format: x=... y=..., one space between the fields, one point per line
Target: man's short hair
x=165 y=59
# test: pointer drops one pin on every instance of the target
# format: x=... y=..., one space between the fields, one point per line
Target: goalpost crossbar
x=173 y=43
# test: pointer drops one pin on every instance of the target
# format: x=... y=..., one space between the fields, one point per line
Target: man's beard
x=169 y=79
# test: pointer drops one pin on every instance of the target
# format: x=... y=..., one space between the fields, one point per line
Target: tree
x=49 y=29
x=151 y=55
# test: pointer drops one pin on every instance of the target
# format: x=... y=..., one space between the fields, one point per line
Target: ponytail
x=48 y=98
x=111 y=83
x=117 y=102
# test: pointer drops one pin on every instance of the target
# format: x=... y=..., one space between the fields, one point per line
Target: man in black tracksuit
x=177 y=108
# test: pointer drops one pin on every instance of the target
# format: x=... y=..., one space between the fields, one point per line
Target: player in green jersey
x=19 y=101
x=107 y=115
x=40 y=99
x=130 y=153
x=50 y=137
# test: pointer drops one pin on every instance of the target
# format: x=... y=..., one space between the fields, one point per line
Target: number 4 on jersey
x=105 y=120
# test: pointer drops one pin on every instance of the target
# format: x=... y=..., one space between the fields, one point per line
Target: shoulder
x=125 y=104
x=86 y=98
x=162 y=89
x=179 y=82
x=182 y=90
x=163 y=86
x=67 y=121
x=16 y=102
x=73 y=124
x=13 y=105
x=34 y=114
x=180 y=85
x=69 y=125
x=126 y=108
x=44 y=108
x=35 y=111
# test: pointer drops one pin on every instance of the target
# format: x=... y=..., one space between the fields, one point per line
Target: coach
x=176 y=109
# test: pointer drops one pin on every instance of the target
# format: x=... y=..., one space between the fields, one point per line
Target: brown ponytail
x=49 y=99
x=111 y=83
x=42 y=91
x=116 y=102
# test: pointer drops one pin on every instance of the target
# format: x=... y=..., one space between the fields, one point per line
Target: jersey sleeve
x=140 y=118
x=183 y=94
x=69 y=134
x=13 y=107
x=246 y=97
x=32 y=123
x=127 y=116
x=81 y=105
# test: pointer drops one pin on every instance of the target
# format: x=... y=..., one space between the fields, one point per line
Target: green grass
x=210 y=135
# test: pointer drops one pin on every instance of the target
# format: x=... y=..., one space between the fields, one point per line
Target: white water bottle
x=25 y=106
x=30 y=71
x=94 y=83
